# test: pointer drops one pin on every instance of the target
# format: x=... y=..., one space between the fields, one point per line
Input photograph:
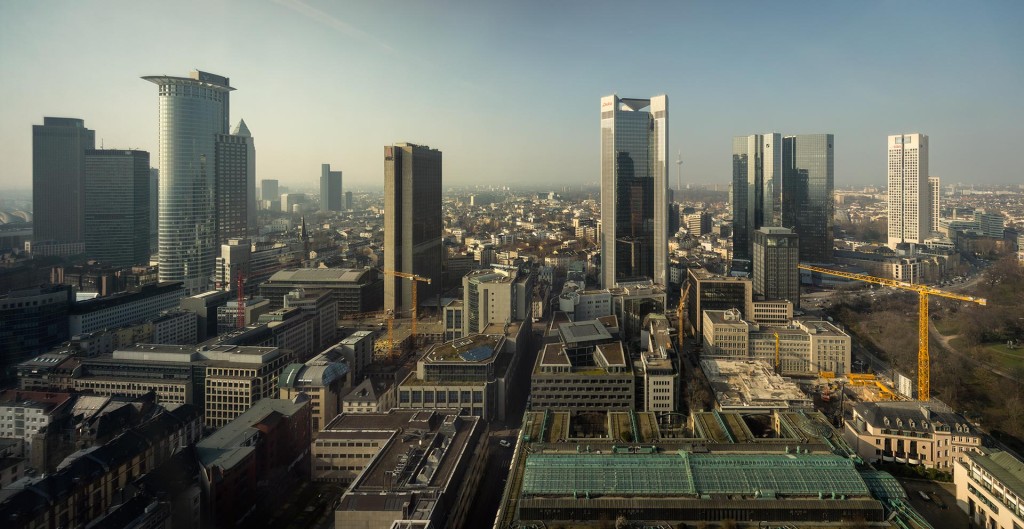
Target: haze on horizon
x=510 y=91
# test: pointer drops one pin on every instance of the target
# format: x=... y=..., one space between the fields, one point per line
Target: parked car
x=505 y=443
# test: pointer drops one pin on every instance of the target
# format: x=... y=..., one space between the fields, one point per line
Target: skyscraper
x=412 y=222
x=154 y=209
x=348 y=200
x=330 y=189
x=236 y=184
x=270 y=190
x=808 y=182
x=193 y=111
x=756 y=188
x=58 y=179
x=634 y=184
x=935 y=195
x=775 y=259
x=909 y=193
x=117 y=219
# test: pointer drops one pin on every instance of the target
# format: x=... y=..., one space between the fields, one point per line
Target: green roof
x=684 y=473
x=1003 y=466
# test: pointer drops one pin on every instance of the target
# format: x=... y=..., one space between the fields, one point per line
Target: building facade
x=935 y=197
x=235 y=189
x=634 y=187
x=775 y=259
x=193 y=112
x=413 y=225
x=990 y=489
x=32 y=321
x=909 y=191
x=911 y=432
x=58 y=179
x=756 y=188
x=125 y=308
x=808 y=185
x=117 y=204
x=330 y=189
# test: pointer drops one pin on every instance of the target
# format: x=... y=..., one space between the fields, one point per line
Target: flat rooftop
x=583 y=331
x=319 y=275
x=742 y=384
x=475 y=348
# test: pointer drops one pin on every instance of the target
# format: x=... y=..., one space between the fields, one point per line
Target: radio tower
x=679 y=172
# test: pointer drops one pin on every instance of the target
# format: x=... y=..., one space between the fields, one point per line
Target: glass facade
x=634 y=205
x=58 y=179
x=330 y=189
x=193 y=111
x=808 y=204
x=756 y=199
x=117 y=206
x=236 y=182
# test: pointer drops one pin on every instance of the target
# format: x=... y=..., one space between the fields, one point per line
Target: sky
x=510 y=91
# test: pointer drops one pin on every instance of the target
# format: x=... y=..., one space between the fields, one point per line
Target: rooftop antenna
x=679 y=171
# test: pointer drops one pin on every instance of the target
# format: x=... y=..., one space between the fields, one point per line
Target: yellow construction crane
x=923 y=291
x=681 y=313
x=415 y=279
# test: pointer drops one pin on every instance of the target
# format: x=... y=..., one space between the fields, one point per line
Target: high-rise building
x=909 y=203
x=776 y=256
x=348 y=200
x=634 y=184
x=31 y=322
x=935 y=195
x=117 y=219
x=154 y=209
x=330 y=189
x=412 y=222
x=808 y=182
x=58 y=179
x=270 y=190
x=756 y=187
x=193 y=112
x=236 y=184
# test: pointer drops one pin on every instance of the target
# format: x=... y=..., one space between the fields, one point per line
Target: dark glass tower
x=634 y=185
x=117 y=217
x=776 y=256
x=756 y=179
x=330 y=189
x=808 y=204
x=58 y=179
x=236 y=184
x=412 y=223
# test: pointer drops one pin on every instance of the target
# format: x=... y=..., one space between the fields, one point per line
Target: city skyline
x=511 y=77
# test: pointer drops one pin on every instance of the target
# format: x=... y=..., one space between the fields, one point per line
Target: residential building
x=909 y=192
x=32 y=321
x=324 y=379
x=989 y=488
x=116 y=213
x=23 y=414
x=235 y=187
x=776 y=258
x=634 y=186
x=125 y=308
x=193 y=112
x=756 y=187
x=330 y=189
x=58 y=179
x=913 y=432
x=808 y=186
x=372 y=395
x=413 y=224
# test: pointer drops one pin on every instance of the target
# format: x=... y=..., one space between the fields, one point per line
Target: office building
x=154 y=209
x=117 y=218
x=935 y=196
x=293 y=202
x=909 y=191
x=205 y=307
x=657 y=373
x=348 y=200
x=634 y=184
x=756 y=188
x=269 y=190
x=697 y=224
x=715 y=292
x=496 y=295
x=330 y=189
x=775 y=259
x=58 y=179
x=808 y=183
x=193 y=112
x=354 y=290
x=256 y=262
x=236 y=184
x=914 y=432
x=991 y=475
x=325 y=378
x=32 y=321
x=124 y=308
x=413 y=224
x=357 y=349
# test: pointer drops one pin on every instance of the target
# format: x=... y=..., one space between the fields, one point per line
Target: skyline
x=319 y=83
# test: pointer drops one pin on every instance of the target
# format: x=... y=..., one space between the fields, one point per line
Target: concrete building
x=370 y=396
x=116 y=208
x=205 y=306
x=292 y=329
x=697 y=224
x=32 y=321
x=990 y=488
x=354 y=290
x=123 y=309
x=912 y=432
x=935 y=200
x=348 y=201
x=587 y=369
x=496 y=295
x=909 y=191
x=775 y=259
x=252 y=309
x=357 y=349
x=413 y=224
x=634 y=186
x=425 y=471
x=330 y=189
x=193 y=112
x=658 y=369
x=756 y=187
x=324 y=379
x=24 y=413
x=255 y=261
x=715 y=292
x=752 y=387
x=174 y=327
x=247 y=460
x=236 y=184
x=58 y=179
x=323 y=308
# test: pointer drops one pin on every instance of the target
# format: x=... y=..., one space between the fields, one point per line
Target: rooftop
x=320 y=275
x=751 y=384
x=1004 y=467
x=475 y=348
x=226 y=446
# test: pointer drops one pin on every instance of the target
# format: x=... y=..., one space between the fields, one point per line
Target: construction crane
x=778 y=362
x=923 y=291
x=415 y=279
x=681 y=313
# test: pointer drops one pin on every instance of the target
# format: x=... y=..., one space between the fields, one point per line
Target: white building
x=357 y=350
x=935 y=196
x=990 y=489
x=909 y=190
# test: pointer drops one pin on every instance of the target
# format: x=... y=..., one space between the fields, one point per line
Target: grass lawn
x=947 y=327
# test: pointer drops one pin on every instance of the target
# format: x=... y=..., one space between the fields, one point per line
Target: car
x=505 y=443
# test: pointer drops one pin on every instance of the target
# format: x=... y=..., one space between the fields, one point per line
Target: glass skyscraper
x=58 y=179
x=193 y=111
x=808 y=204
x=756 y=188
x=117 y=206
x=634 y=186
x=330 y=189
x=236 y=184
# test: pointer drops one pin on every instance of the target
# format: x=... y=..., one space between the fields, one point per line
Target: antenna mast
x=679 y=171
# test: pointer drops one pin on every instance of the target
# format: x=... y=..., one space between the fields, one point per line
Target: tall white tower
x=910 y=216
x=935 y=194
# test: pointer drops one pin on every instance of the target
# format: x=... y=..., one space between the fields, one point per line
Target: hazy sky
x=510 y=90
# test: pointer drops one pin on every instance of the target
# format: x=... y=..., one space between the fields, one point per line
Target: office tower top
x=235 y=188
x=330 y=189
x=193 y=112
x=909 y=192
x=808 y=204
x=756 y=188
x=775 y=259
x=412 y=223
x=58 y=179
x=634 y=184
x=117 y=206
